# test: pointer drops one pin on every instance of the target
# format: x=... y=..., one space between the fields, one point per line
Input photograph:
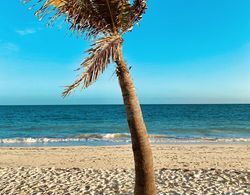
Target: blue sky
x=183 y=52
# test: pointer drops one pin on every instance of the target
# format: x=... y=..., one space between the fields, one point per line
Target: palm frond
x=104 y=50
x=138 y=9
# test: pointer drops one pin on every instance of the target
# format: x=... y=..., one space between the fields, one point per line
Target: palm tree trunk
x=144 y=170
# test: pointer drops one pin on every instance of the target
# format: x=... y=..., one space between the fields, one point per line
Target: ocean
x=101 y=125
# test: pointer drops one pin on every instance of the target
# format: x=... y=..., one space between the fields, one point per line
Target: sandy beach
x=180 y=169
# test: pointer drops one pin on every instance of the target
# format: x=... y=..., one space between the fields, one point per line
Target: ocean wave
x=104 y=136
x=79 y=138
x=121 y=137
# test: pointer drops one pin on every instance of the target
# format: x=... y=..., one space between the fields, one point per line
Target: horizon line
x=123 y=104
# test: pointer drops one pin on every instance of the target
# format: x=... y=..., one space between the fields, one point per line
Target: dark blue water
x=106 y=124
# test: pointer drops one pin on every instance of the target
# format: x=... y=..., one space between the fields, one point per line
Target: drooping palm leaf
x=104 y=50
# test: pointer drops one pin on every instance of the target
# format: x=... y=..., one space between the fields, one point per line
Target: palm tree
x=105 y=22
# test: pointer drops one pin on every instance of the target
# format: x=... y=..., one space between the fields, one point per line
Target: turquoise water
x=107 y=125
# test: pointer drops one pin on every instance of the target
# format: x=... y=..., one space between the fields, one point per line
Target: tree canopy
x=104 y=20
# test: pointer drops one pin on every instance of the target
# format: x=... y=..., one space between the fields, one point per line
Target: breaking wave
x=119 y=137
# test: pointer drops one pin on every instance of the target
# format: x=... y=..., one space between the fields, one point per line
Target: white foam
x=83 y=137
x=115 y=135
x=121 y=137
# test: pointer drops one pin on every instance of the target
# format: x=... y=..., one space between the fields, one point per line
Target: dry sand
x=165 y=156
x=180 y=169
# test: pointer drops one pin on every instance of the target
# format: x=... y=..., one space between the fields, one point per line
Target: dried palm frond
x=104 y=50
x=138 y=9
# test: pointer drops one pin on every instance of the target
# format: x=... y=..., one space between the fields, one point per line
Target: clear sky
x=184 y=51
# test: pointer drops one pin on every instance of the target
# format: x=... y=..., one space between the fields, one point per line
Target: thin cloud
x=26 y=31
x=8 y=48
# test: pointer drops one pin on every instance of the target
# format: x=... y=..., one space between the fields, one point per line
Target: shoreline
x=99 y=140
x=117 y=144
x=39 y=143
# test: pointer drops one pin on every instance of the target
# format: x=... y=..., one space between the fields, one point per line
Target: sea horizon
x=121 y=104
